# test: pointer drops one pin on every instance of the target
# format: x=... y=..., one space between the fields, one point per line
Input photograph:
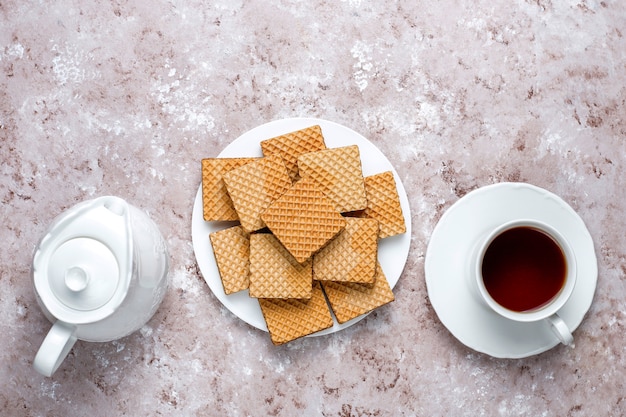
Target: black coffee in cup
x=523 y=269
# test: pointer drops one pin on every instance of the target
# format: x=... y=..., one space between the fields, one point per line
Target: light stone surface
x=125 y=98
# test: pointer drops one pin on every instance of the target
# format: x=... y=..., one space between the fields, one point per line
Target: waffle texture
x=383 y=204
x=349 y=300
x=254 y=186
x=216 y=202
x=290 y=319
x=231 y=248
x=351 y=256
x=291 y=145
x=303 y=219
x=339 y=174
x=274 y=273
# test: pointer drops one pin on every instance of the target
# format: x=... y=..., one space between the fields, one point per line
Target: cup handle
x=560 y=329
x=55 y=347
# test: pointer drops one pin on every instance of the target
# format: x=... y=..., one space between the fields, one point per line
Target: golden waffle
x=349 y=300
x=303 y=219
x=351 y=256
x=290 y=319
x=217 y=204
x=254 y=186
x=383 y=204
x=231 y=248
x=339 y=174
x=294 y=144
x=274 y=273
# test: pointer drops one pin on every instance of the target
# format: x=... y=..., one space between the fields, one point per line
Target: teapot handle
x=55 y=348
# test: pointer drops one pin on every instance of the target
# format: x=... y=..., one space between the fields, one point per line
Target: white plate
x=392 y=251
x=447 y=266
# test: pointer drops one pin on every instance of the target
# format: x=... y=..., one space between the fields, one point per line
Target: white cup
x=545 y=311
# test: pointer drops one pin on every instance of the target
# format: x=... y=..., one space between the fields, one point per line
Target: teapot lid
x=83 y=266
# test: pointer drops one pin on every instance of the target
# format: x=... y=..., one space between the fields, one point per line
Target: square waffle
x=294 y=144
x=254 y=186
x=383 y=204
x=349 y=300
x=274 y=273
x=231 y=248
x=303 y=219
x=217 y=204
x=339 y=174
x=351 y=256
x=291 y=319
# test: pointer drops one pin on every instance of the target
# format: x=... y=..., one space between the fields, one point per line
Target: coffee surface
x=523 y=269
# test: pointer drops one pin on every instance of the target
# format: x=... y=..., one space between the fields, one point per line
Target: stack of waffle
x=306 y=241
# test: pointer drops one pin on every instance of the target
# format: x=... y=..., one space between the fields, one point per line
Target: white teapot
x=100 y=273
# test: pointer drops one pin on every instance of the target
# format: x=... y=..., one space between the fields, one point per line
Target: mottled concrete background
x=126 y=97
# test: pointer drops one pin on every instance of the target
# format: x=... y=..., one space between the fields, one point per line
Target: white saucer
x=447 y=268
x=392 y=251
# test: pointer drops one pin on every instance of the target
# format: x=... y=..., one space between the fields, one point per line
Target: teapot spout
x=116 y=205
